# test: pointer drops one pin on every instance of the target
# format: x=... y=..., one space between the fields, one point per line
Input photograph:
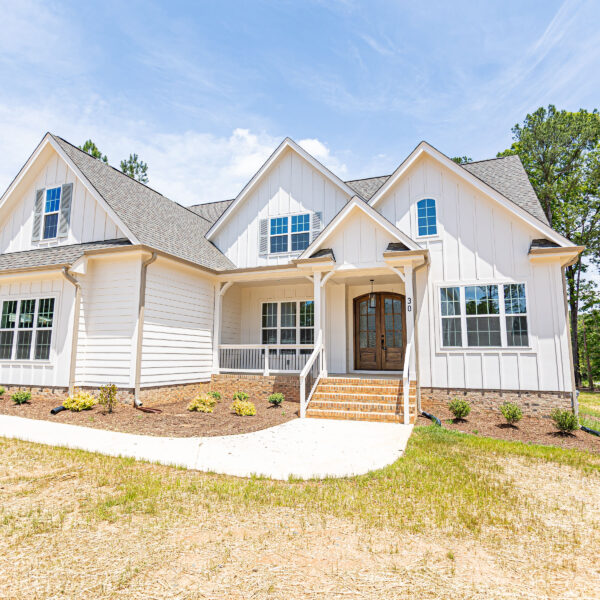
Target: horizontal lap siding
x=107 y=334
x=55 y=372
x=178 y=320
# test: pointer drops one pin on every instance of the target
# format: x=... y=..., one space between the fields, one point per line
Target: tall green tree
x=135 y=168
x=589 y=333
x=560 y=151
x=93 y=150
x=462 y=160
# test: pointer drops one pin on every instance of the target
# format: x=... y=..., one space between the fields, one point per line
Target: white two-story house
x=436 y=281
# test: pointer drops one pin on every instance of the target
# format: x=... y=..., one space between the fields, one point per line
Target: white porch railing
x=310 y=375
x=406 y=377
x=263 y=358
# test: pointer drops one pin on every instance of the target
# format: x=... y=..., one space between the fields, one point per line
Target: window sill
x=7 y=361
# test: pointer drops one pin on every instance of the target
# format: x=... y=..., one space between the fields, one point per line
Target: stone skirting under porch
x=531 y=402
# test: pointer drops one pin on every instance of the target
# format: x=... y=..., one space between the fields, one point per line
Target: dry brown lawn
x=459 y=516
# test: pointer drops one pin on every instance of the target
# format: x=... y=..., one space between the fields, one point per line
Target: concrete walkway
x=304 y=448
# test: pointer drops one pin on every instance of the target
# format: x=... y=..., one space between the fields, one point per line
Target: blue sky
x=204 y=91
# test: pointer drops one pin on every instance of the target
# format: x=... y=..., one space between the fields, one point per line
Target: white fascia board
x=287 y=143
x=25 y=168
x=92 y=190
x=353 y=203
x=425 y=148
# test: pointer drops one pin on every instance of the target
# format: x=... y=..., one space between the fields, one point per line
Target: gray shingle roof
x=367 y=187
x=506 y=175
x=324 y=252
x=397 y=247
x=211 y=211
x=543 y=243
x=153 y=219
x=55 y=255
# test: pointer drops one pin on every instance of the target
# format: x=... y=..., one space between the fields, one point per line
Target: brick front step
x=360 y=389
x=350 y=415
x=362 y=381
x=357 y=406
x=353 y=396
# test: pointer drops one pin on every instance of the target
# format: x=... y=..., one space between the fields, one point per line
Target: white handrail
x=317 y=353
x=406 y=383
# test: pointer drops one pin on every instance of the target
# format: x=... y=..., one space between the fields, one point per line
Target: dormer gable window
x=289 y=233
x=51 y=212
x=426 y=217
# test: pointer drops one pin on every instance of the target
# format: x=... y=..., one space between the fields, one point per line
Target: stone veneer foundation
x=258 y=387
x=531 y=403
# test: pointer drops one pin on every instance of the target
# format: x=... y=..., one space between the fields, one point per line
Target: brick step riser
x=344 y=416
x=366 y=398
x=354 y=389
x=368 y=382
x=357 y=407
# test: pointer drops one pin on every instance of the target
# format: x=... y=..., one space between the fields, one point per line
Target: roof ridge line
x=365 y=178
x=488 y=159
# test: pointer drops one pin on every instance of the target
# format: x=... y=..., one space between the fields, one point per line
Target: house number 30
x=409 y=304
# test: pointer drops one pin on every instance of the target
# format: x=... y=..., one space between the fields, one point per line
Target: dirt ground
x=533 y=430
x=174 y=420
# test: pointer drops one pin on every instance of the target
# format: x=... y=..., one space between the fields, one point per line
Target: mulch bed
x=174 y=420
x=531 y=430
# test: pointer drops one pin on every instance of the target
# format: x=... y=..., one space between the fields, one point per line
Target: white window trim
x=438 y=224
x=289 y=251
x=531 y=347
x=54 y=212
x=297 y=301
x=32 y=360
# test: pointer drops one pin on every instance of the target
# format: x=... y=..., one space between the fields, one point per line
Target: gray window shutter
x=316 y=221
x=66 y=196
x=38 y=208
x=263 y=237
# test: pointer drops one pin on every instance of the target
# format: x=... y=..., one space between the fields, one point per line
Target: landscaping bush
x=276 y=399
x=202 y=403
x=214 y=394
x=243 y=408
x=511 y=412
x=459 y=408
x=21 y=397
x=564 y=420
x=108 y=397
x=79 y=401
x=240 y=396
x=2 y=390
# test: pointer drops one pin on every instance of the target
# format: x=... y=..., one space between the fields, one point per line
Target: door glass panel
x=367 y=325
x=393 y=322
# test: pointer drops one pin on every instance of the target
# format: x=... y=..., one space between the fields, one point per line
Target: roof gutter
x=75 y=336
x=140 y=328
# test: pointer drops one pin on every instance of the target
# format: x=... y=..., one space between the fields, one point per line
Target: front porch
x=316 y=322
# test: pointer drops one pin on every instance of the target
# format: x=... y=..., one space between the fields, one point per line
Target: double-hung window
x=288 y=322
x=484 y=316
x=51 y=212
x=26 y=329
x=426 y=217
x=289 y=234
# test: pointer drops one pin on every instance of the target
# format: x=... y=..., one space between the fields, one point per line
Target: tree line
x=133 y=167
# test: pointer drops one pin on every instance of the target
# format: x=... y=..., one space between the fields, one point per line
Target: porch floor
x=303 y=448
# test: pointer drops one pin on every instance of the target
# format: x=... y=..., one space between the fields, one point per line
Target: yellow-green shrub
x=80 y=401
x=202 y=403
x=243 y=408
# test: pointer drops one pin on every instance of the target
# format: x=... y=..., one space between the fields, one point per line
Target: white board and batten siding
x=480 y=242
x=178 y=325
x=54 y=371
x=291 y=186
x=108 y=322
x=89 y=221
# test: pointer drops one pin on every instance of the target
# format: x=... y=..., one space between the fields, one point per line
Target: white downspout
x=75 y=337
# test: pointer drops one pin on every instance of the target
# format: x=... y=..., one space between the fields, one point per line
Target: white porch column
x=219 y=292
x=317 y=299
x=410 y=315
x=324 y=326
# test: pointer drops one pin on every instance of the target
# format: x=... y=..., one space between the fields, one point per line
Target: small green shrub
x=21 y=397
x=214 y=394
x=240 y=396
x=108 y=397
x=2 y=390
x=564 y=420
x=511 y=412
x=202 y=403
x=243 y=408
x=276 y=399
x=79 y=401
x=459 y=408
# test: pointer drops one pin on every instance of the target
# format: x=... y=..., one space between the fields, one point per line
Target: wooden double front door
x=379 y=332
